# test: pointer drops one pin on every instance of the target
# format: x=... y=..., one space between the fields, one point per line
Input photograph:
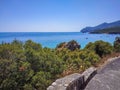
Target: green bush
x=28 y=65
x=100 y=47
x=117 y=44
x=89 y=58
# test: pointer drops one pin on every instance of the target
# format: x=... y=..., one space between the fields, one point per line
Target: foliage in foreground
x=24 y=66
x=28 y=66
x=117 y=44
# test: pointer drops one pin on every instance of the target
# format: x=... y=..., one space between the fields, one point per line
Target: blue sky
x=56 y=15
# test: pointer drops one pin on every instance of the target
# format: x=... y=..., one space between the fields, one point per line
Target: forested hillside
x=102 y=26
x=112 y=30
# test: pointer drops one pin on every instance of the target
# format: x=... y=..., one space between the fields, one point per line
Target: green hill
x=101 y=26
x=112 y=30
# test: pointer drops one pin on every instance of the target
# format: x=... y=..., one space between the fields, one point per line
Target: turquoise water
x=51 y=39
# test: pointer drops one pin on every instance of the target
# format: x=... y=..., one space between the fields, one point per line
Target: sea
x=52 y=39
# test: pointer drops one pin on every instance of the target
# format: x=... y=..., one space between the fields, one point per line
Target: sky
x=56 y=15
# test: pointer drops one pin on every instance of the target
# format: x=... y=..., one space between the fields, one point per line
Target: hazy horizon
x=55 y=15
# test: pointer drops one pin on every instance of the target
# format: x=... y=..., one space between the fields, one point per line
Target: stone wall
x=74 y=81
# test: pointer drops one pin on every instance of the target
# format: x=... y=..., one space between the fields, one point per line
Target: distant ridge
x=111 y=30
x=101 y=27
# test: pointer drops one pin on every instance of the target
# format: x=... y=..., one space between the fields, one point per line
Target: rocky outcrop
x=74 y=81
x=72 y=45
x=71 y=82
x=106 y=81
x=108 y=78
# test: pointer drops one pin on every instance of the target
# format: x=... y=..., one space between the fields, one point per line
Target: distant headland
x=109 y=28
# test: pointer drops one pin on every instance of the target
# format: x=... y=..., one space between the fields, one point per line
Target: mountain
x=112 y=30
x=101 y=27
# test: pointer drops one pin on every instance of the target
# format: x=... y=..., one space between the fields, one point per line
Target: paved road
x=108 y=78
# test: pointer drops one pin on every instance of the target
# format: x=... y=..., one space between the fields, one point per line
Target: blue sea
x=51 y=39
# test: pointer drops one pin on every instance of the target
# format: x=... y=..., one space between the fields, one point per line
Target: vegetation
x=112 y=30
x=24 y=66
x=117 y=44
x=71 y=45
x=29 y=66
x=100 y=47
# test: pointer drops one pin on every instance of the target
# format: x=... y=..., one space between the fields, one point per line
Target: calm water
x=52 y=39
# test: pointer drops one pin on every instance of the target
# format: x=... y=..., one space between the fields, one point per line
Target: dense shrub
x=117 y=44
x=89 y=56
x=100 y=47
x=29 y=66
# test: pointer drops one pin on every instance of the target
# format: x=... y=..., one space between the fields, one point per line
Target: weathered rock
x=89 y=73
x=74 y=81
x=71 y=82
x=108 y=78
x=113 y=65
x=106 y=81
